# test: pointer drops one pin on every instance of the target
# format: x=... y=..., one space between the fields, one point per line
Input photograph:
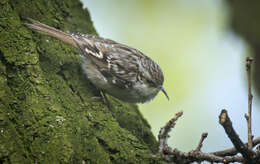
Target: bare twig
x=203 y=137
x=180 y=157
x=163 y=134
x=250 y=98
x=233 y=151
x=239 y=145
x=192 y=156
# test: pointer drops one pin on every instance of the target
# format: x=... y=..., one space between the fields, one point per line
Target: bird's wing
x=119 y=63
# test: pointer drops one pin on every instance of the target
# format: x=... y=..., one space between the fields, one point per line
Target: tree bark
x=48 y=109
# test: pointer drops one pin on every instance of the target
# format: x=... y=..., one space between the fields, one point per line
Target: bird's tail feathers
x=47 y=30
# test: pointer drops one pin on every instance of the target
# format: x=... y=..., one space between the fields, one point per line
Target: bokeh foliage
x=244 y=16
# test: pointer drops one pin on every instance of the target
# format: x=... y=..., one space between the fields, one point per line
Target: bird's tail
x=47 y=30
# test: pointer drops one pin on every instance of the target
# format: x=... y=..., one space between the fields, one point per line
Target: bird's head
x=154 y=79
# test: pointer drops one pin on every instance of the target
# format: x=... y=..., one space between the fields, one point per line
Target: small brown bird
x=117 y=69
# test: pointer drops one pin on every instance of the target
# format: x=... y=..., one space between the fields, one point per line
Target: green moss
x=47 y=110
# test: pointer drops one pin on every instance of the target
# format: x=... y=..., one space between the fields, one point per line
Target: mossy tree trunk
x=48 y=109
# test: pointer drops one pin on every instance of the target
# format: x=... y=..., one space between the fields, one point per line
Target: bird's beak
x=165 y=93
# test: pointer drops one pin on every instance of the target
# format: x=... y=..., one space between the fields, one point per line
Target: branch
x=163 y=134
x=250 y=98
x=203 y=137
x=180 y=157
x=239 y=145
x=233 y=151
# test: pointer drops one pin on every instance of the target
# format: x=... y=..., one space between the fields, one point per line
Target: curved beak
x=165 y=93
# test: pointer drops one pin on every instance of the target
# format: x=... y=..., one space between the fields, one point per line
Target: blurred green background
x=202 y=59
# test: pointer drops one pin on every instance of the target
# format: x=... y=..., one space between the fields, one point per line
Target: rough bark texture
x=47 y=110
x=245 y=20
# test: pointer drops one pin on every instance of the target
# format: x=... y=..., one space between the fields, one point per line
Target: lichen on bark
x=47 y=110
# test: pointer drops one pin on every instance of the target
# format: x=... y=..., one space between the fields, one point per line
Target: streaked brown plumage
x=117 y=69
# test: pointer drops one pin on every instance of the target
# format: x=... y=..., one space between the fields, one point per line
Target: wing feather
x=118 y=63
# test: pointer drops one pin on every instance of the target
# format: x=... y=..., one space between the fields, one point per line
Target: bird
x=117 y=69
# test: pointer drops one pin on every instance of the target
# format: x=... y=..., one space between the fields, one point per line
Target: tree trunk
x=49 y=111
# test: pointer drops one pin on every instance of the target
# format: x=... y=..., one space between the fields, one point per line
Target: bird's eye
x=150 y=82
